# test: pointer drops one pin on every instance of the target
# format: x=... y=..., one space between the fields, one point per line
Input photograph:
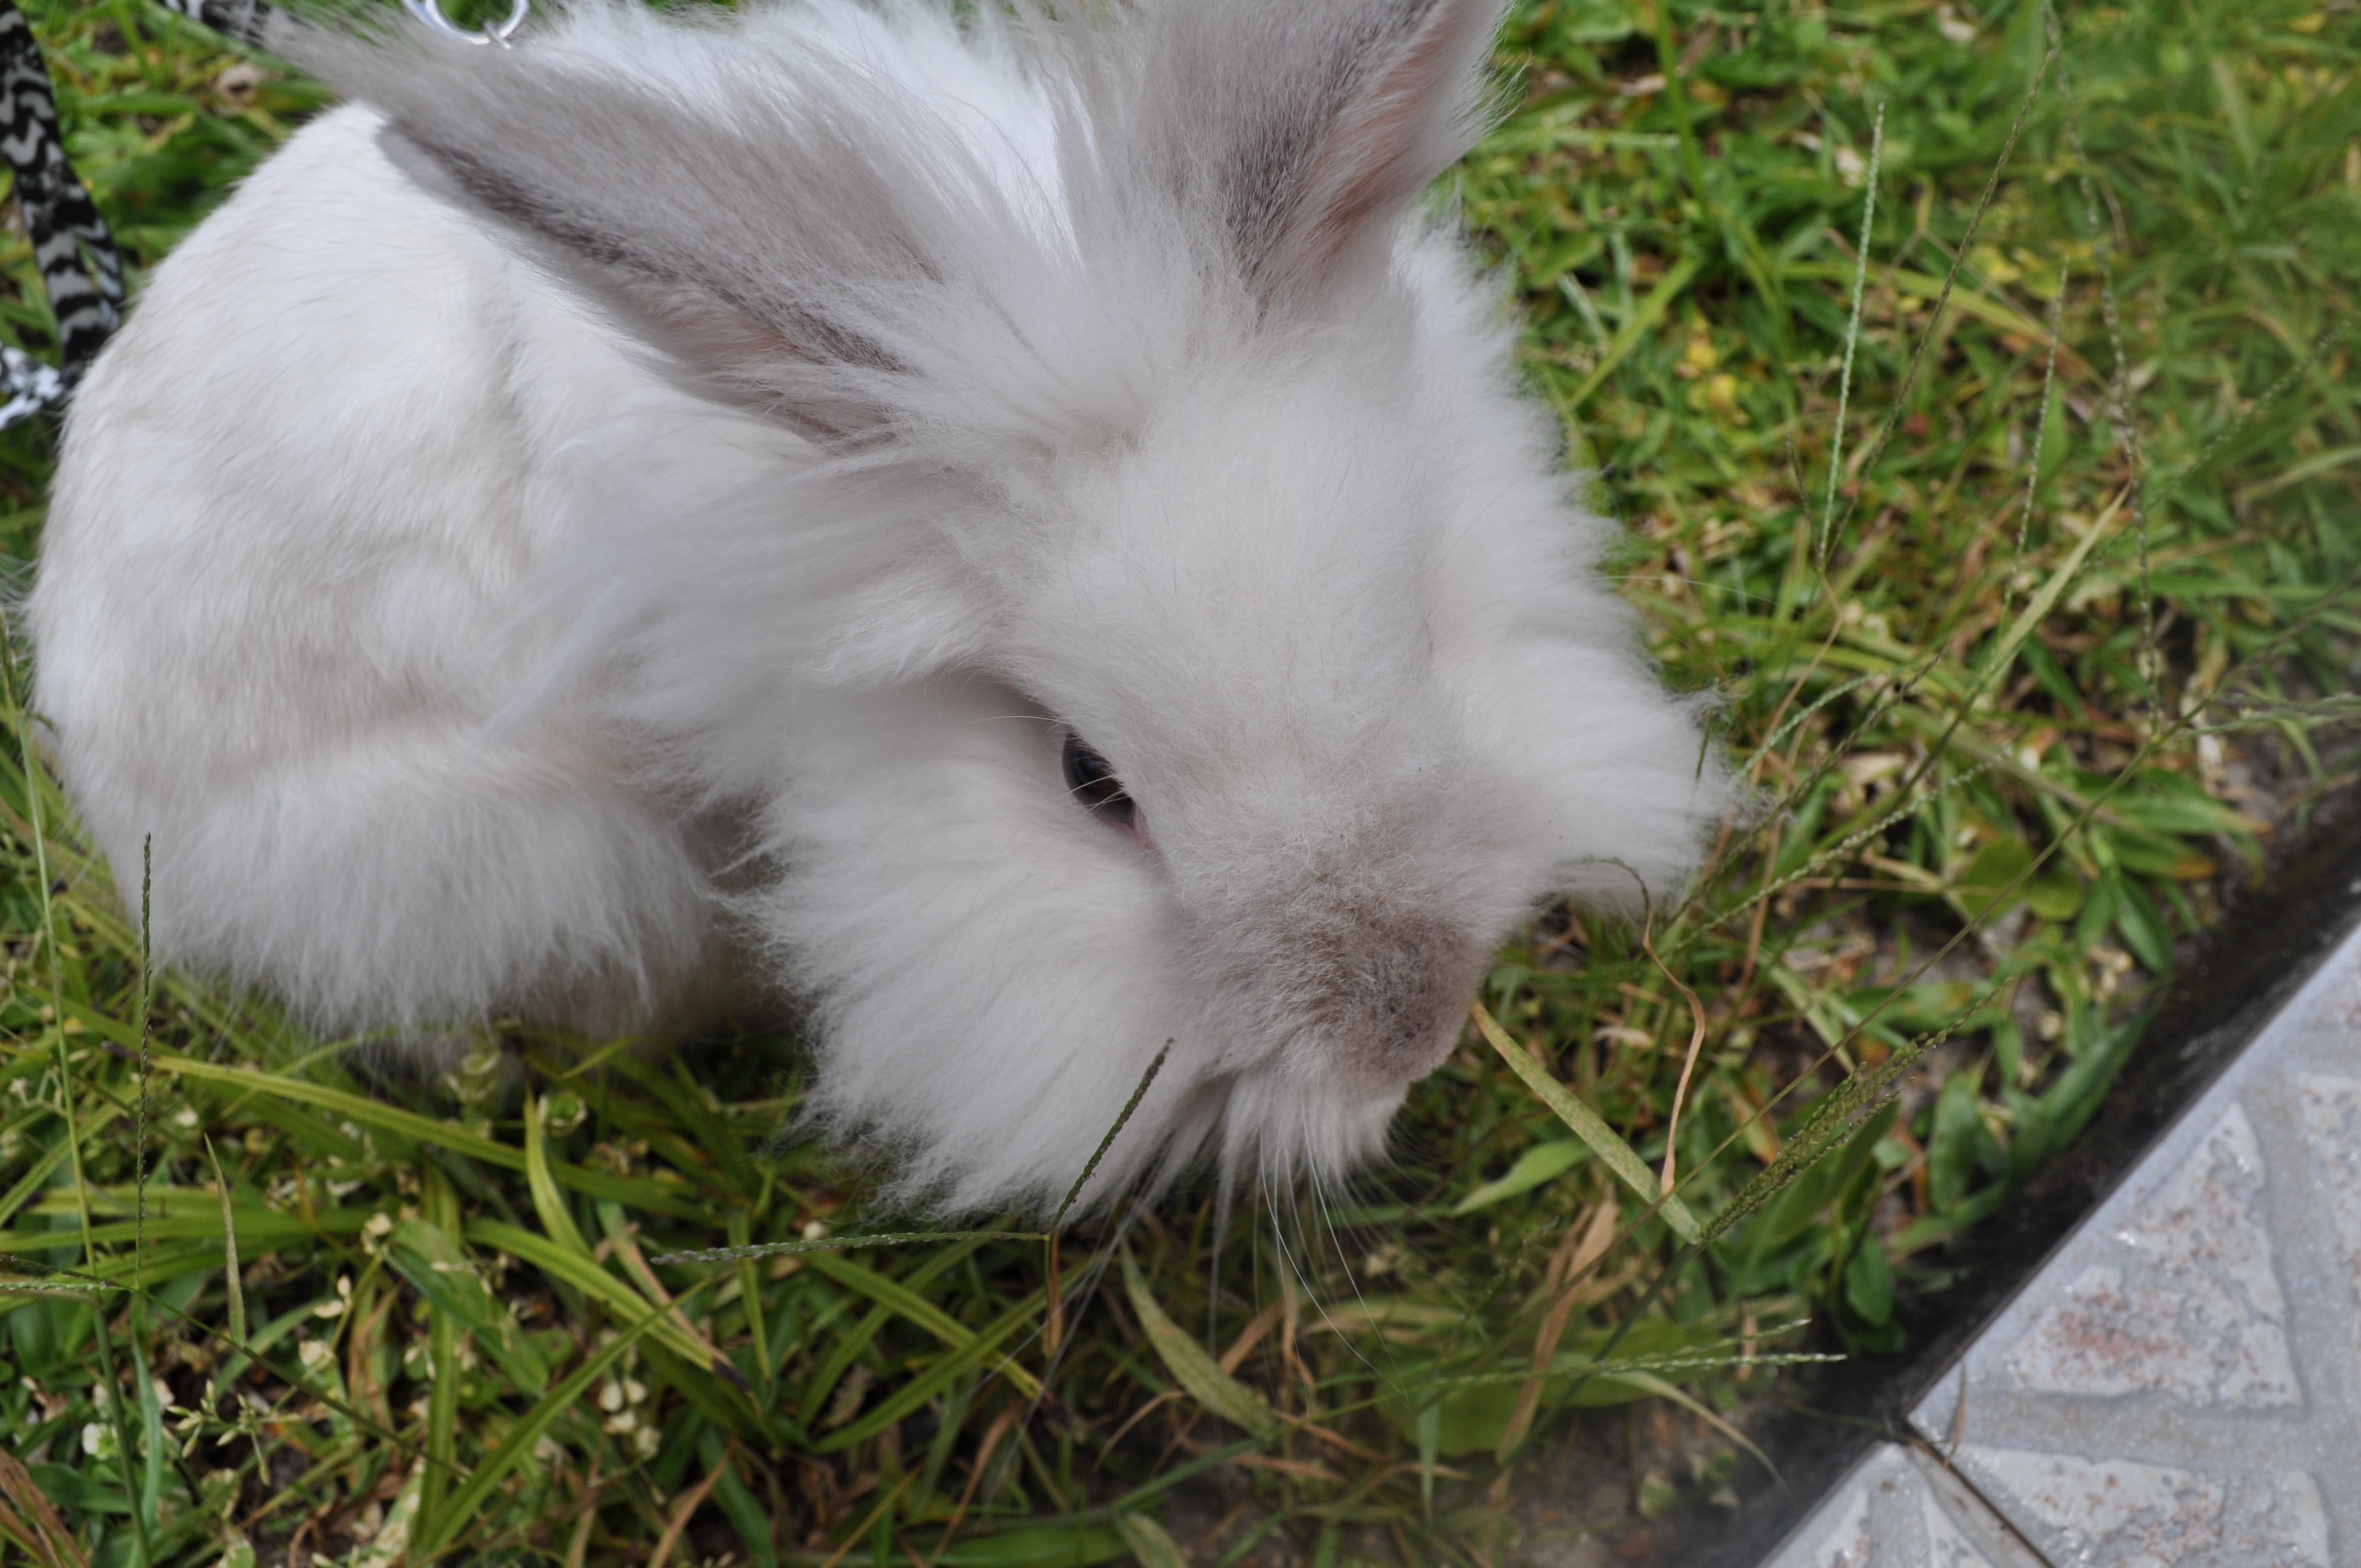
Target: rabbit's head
x=1158 y=619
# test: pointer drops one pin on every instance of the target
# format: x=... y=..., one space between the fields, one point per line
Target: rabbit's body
x=765 y=446
x=275 y=614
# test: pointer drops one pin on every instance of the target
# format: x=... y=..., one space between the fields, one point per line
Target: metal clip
x=430 y=13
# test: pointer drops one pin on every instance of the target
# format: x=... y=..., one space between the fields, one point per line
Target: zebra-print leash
x=80 y=266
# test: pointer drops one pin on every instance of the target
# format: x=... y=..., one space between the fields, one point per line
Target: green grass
x=2031 y=656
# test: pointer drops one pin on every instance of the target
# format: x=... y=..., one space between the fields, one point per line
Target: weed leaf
x=1191 y=1368
x=1628 y=1166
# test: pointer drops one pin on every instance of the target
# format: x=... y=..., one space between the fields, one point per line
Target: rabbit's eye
x=1093 y=783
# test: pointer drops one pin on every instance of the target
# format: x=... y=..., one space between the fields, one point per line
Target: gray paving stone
x=2331 y=1125
x=2185 y=1303
x=2180 y=1385
x=1898 y=1508
x=2120 y=1513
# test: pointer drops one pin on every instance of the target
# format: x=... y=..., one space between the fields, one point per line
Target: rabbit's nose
x=1381 y=992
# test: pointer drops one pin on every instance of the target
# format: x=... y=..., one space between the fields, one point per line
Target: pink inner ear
x=1400 y=131
x=731 y=350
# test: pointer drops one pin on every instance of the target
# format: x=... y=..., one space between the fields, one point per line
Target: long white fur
x=681 y=455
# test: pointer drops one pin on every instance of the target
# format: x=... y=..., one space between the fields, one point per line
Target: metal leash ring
x=430 y=13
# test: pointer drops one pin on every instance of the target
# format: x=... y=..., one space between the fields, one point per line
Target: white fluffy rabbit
x=1017 y=535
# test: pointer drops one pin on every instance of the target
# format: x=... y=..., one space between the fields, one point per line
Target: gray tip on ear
x=754 y=232
x=1314 y=125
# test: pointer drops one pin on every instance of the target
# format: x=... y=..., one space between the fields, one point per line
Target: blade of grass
x=938 y=1377
x=1852 y=337
x=101 y=1333
x=1150 y=1542
x=618 y=1232
x=1216 y=1390
x=548 y=1205
x=527 y=1431
x=52 y=1539
x=233 y=1281
x=1633 y=332
x=1996 y=313
x=1055 y=1328
x=1617 y=1155
x=834 y=1243
x=577 y=1268
x=440 y=1207
x=427 y=1130
x=2004 y=652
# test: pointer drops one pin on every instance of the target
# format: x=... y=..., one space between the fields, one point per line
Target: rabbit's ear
x=1327 y=118
x=771 y=235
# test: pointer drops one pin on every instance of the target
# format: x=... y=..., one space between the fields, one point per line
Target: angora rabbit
x=1015 y=532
